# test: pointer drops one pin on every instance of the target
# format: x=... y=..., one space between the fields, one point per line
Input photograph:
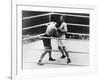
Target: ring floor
x=32 y=52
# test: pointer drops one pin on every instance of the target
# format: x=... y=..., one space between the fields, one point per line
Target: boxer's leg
x=60 y=48
x=50 y=57
x=68 y=59
x=41 y=57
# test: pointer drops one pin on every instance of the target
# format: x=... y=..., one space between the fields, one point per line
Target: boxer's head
x=62 y=18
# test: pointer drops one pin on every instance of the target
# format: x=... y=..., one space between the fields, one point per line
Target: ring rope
x=72 y=15
x=48 y=23
x=35 y=26
x=39 y=36
x=67 y=51
x=78 y=24
x=24 y=18
x=78 y=33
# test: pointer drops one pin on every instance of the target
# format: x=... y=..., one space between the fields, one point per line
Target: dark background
x=54 y=17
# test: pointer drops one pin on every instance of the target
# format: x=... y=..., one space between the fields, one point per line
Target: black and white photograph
x=55 y=39
x=52 y=40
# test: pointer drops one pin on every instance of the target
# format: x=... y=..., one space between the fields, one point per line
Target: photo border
x=14 y=73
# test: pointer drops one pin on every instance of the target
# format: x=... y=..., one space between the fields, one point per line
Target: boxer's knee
x=64 y=48
x=59 y=47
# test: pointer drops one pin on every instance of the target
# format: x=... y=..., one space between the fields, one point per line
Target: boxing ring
x=78 y=49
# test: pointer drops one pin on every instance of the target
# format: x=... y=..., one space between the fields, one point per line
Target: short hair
x=62 y=17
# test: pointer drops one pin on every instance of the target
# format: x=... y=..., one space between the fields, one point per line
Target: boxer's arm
x=63 y=27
